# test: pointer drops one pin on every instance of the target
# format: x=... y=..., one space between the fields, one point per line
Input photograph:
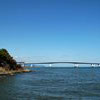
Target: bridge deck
x=64 y=63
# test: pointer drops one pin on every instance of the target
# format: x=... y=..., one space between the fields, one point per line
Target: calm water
x=52 y=84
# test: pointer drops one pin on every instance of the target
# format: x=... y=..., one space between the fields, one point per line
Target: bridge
x=76 y=64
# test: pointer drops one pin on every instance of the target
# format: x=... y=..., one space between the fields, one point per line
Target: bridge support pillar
x=23 y=65
x=31 y=65
x=93 y=65
x=50 y=65
x=76 y=65
x=98 y=65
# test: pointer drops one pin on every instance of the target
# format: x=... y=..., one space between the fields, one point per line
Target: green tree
x=6 y=60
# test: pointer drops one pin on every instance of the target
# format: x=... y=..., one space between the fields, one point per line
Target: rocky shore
x=8 y=65
x=3 y=71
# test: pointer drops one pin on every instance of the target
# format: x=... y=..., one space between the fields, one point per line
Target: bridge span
x=76 y=64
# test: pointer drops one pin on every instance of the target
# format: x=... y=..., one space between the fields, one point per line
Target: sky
x=51 y=30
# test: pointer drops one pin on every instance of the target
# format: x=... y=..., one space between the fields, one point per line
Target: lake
x=52 y=83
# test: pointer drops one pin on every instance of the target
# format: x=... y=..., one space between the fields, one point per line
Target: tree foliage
x=7 y=61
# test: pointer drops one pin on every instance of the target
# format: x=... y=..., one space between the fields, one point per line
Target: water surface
x=55 y=83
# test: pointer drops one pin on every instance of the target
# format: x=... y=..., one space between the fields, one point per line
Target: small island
x=8 y=65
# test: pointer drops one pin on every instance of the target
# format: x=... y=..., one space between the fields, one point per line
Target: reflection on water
x=52 y=84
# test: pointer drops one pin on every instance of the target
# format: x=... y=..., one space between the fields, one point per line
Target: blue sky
x=51 y=30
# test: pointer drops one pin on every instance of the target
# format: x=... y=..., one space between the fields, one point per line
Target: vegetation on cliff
x=7 y=61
